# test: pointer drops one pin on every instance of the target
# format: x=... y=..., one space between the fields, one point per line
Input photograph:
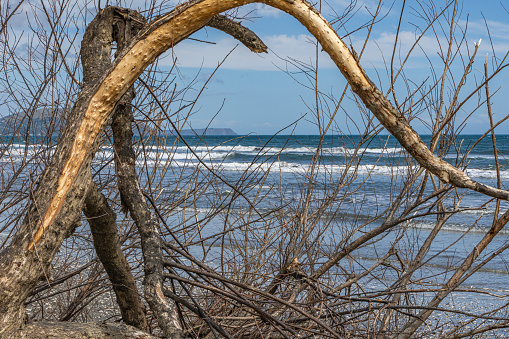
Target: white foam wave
x=216 y=153
x=255 y=150
x=487 y=174
x=296 y=168
x=181 y=156
x=472 y=156
x=454 y=228
x=187 y=156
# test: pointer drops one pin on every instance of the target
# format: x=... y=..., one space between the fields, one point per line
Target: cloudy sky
x=253 y=93
x=265 y=93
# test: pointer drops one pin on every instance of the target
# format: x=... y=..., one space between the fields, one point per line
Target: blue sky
x=258 y=96
x=253 y=93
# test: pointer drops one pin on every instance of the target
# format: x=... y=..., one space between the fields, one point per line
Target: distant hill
x=207 y=132
x=42 y=122
x=45 y=121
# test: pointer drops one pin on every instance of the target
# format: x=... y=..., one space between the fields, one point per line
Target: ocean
x=276 y=171
x=280 y=166
x=252 y=188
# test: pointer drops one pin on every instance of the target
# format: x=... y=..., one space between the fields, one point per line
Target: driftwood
x=62 y=188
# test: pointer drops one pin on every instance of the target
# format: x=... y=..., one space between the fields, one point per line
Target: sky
x=275 y=92
x=266 y=93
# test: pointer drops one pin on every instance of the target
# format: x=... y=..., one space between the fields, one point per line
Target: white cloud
x=384 y=44
x=266 y=11
x=195 y=54
x=301 y=48
x=499 y=32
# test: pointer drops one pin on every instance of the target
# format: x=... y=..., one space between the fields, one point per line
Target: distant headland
x=205 y=132
x=44 y=122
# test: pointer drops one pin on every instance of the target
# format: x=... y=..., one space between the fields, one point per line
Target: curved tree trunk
x=119 y=25
x=59 y=196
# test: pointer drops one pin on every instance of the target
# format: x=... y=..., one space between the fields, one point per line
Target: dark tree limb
x=132 y=200
x=239 y=32
x=102 y=221
x=101 y=218
x=132 y=197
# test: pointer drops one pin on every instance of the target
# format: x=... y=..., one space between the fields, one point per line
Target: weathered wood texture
x=132 y=197
x=102 y=220
x=61 y=190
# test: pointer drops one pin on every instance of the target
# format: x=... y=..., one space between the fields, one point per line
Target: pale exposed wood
x=66 y=187
x=188 y=18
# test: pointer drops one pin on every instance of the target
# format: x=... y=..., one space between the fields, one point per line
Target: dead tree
x=66 y=183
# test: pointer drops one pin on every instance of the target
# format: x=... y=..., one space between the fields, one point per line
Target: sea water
x=287 y=160
x=380 y=166
x=282 y=169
